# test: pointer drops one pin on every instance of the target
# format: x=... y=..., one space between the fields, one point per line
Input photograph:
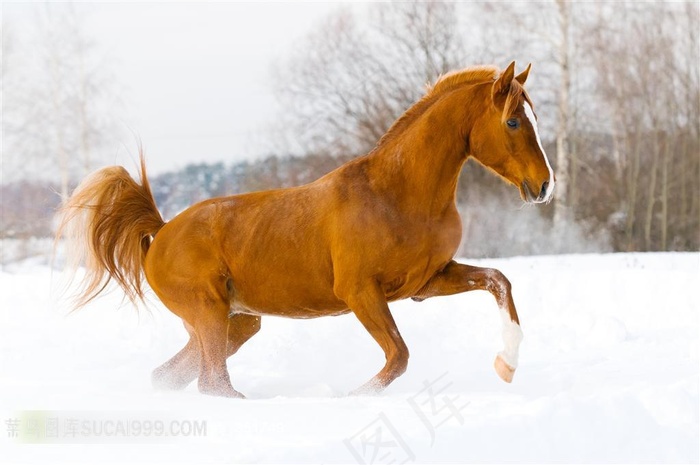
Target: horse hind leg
x=240 y=329
x=178 y=372
x=212 y=328
x=214 y=378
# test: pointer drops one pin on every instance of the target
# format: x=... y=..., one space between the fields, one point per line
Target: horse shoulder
x=377 y=238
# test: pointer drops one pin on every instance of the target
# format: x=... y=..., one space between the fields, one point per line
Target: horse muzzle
x=543 y=195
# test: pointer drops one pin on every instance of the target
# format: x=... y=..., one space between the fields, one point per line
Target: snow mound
x=608 y=373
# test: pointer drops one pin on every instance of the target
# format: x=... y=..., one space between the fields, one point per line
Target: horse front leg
x=369 y=305
x=456 y=278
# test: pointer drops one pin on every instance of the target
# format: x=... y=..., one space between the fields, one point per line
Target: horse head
x=505 y=138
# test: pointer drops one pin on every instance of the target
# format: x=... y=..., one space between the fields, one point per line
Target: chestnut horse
x=380 y=228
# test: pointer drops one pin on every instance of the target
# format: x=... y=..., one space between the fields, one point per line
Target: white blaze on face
x=531 y=117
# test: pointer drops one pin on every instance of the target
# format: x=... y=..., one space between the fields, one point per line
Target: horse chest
x=406 y=283
x=417 y=254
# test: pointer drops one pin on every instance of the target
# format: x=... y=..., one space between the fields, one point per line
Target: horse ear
x=501 y=87
x=522 y=77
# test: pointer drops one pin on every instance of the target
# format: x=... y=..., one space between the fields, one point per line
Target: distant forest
x=616 y=86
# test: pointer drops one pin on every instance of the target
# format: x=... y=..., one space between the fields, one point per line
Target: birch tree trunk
x=562 y=142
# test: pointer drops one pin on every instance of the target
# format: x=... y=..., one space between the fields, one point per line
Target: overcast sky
x=195 y=77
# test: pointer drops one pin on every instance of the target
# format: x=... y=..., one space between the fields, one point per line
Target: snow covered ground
x=608 y=373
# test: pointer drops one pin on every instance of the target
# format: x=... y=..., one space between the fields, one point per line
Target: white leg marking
x=531 y=117
x=512 y=336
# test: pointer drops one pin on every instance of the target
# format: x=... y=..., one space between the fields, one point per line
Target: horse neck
x=421 y=165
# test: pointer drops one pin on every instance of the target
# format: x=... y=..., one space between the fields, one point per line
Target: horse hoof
x=362 y=391
x=220 y=391
x=231 y=394
x=163 y=382
x=371 y=388
x=234 y=395
x=504 y=371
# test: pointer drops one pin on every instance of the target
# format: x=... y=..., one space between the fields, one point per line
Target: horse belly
x=276 y=253
x=286 y=301
x=284 y=285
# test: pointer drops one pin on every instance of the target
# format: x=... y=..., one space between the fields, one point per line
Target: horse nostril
x=543 y=191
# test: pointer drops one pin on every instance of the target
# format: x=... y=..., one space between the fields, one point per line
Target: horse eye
x=513 y=123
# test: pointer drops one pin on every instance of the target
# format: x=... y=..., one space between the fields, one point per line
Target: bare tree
x=351 y=79
x=58 y=116
x=59 y=112
x=563 y=59
x=616 y=86
x=645 y=72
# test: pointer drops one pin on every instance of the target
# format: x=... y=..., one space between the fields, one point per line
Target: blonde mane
x=444 y=84
x=448 y=82
x=473 y=75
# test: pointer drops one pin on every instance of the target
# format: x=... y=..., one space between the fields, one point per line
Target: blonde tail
x=109 y=222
